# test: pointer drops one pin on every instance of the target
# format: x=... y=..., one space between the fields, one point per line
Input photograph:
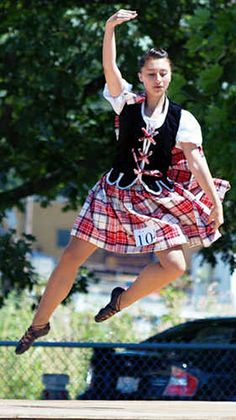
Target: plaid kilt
x=120 y=220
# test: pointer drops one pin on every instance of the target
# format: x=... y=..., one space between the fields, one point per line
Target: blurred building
x=50 y=226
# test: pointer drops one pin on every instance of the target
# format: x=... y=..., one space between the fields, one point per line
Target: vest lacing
x=144 y=155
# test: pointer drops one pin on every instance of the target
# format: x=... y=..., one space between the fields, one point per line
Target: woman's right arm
x=111 y=71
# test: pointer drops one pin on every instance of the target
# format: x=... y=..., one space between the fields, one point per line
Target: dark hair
x=153 y=53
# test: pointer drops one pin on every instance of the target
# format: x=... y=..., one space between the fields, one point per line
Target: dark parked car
x=202 y=368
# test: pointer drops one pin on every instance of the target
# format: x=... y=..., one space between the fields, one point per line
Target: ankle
x=38 y=326
x=123 y=301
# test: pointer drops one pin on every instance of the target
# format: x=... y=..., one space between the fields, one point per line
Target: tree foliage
x=56 y=131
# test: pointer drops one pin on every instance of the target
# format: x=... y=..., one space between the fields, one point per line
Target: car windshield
x=217 y=334
x=213 y=332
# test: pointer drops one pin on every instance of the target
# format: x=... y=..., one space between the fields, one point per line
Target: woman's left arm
x=199 y=168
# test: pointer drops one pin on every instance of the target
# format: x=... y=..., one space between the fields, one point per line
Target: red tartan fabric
x=110 y=215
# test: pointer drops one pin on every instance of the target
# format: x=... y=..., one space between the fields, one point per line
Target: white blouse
x=189 y=130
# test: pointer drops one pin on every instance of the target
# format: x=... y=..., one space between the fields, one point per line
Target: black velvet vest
x=130 y=148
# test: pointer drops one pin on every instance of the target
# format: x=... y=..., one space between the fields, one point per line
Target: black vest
x=130 y=147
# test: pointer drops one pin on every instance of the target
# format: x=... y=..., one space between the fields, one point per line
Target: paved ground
x=117 y=410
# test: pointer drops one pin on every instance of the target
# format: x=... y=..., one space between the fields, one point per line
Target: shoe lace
x=28 y=336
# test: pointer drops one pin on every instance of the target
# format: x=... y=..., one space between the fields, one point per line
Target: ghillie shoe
x=112 y=307
x=30 y=335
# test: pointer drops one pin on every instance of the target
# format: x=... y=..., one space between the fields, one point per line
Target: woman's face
x=156 y=76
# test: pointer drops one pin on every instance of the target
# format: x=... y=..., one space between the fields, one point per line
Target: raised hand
x=120 y=17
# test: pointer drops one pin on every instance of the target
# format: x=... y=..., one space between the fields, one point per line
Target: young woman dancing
x=158 y=196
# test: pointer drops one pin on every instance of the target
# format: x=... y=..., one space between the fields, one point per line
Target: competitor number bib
x=145 y=236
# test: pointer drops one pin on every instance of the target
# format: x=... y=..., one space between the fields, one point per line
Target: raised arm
x=111 y=71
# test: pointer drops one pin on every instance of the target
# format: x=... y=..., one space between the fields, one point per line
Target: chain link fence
x=117 y=371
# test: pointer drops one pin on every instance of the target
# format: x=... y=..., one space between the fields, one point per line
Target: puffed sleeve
x=189 y=130
x=118 y=102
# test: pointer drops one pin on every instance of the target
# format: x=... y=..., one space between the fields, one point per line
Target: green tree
x=56 y=132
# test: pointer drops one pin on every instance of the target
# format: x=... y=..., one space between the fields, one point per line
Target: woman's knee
x=179 y=266
x=175 y=261
x=70 y=256
x=77 y=251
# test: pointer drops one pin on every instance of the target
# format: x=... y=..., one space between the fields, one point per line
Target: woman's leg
x=58 y=287
x=62 y=278
x=155 y=276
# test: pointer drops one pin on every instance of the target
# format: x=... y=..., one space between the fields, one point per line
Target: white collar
x=157 y=122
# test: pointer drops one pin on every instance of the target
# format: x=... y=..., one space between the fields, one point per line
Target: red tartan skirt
x=136 y=221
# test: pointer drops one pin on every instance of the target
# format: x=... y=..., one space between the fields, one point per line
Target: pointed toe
x=112 y=307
